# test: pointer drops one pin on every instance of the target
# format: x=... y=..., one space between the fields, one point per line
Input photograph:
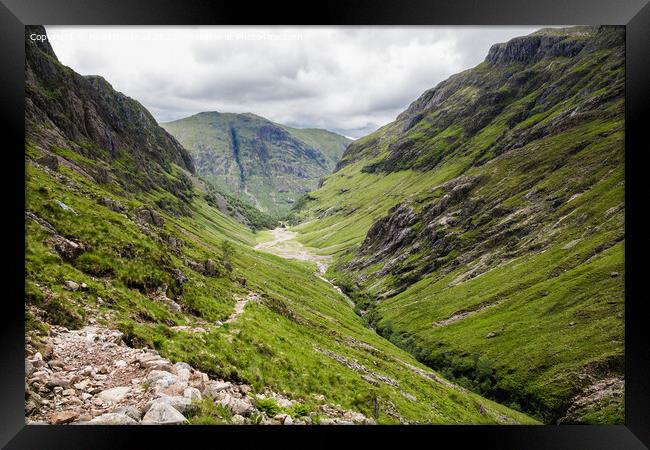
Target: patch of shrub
x=267 y=405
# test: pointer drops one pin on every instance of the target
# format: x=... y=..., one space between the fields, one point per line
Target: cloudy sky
x=350 y=80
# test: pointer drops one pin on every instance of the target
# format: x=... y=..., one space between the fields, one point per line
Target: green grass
x=551 y=271
x=270 y=346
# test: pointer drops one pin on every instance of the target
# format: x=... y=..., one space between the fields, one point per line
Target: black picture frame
x=15 y=14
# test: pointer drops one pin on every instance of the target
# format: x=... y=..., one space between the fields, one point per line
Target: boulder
x=114 y=418
x=49 y=161
x=115 y=394
x=241 y=406
x=68 y=249
x=181 y=365
x=162 y=413
x=181 y=404
x=61 y=417
x=82 y=385
x=192 y=393
x=29 y=368
x=71 y=285
x=284 y=403
x=210 y=268
x=213 y=388
x=238 y=420
x=179 y=276
x=131 y=411
x=156 y=375
x=57 y=381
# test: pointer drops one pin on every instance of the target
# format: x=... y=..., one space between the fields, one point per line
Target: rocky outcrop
x=526 y=49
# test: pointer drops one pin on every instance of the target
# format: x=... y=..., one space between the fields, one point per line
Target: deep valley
x=462 y=264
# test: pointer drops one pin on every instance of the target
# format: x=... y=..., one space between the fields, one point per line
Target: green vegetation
x=513 y=285
x=267 y=405
x=271 y=345
x=251 y=158
x=481 y=235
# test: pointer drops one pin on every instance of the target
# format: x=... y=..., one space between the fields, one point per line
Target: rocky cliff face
x=263 y=163
x=99 y=131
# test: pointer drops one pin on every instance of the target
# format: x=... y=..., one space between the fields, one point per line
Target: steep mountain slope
x=144 y=251
x=263 y=163
x=483 y=230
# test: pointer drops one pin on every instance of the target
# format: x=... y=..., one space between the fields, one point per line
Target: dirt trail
x=240 y=305
x=284 y=246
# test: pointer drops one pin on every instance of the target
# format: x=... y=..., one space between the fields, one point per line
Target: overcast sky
x=350 y=80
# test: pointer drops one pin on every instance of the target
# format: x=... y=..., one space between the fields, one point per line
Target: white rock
x=113 y=419
x=181 y=365
x=156 y=375
x=162 y=414
x=37 y=360
x=192 y=393
x=115 y=394
x=284 y=403
x=120 y=364
x=131 y=411
x=71 y=285
x=82 y=384
x=181 y=404
x=238 y=420
x=212 y=389
x=243 y=407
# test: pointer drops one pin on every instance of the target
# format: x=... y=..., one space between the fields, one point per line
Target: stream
x=283 y=245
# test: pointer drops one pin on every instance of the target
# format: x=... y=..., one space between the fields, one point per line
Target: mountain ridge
x=267 y=164
x=488 y=221
x=129 y=254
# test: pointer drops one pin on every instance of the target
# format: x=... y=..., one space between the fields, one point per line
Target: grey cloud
x=351 y=80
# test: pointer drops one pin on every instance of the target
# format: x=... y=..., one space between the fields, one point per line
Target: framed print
x=374 y=219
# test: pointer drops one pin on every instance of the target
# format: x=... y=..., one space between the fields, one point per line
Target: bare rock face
x=149 y=216
x=246 y=152
x=534 y=47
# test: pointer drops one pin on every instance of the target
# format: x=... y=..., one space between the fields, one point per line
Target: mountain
x=483 y=229
x=146 y=300
x=264 y=163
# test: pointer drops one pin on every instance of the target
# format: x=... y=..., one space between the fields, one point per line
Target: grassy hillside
x=150 y=259
x=483 y=230
x=260 y=162
x=277 y=343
